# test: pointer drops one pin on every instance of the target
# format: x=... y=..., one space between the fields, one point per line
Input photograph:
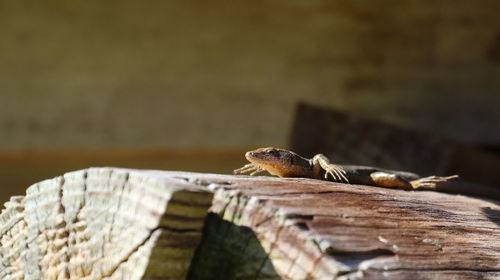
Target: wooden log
x=108 y=223
x=102 y=223
x=322 y=230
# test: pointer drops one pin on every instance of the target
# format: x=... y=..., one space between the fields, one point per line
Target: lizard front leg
x=338 y=174
x=251 y=168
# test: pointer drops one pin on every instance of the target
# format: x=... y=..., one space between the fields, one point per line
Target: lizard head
x=278 y=162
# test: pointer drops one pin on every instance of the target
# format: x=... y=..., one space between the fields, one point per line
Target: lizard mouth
x=255 y=157
x=258 y=158
x=272 y=168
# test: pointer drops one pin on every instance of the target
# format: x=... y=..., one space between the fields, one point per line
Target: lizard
x=284 y=163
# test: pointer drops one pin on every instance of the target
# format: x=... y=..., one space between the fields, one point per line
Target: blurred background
x=191 y=85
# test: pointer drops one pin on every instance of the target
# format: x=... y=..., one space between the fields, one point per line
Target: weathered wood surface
x=317 y=229
x=102 y=223
x=112 y=223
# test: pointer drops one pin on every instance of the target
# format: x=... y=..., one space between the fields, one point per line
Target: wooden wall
x=224 y=74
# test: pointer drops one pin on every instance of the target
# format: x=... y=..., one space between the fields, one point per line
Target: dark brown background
x=155 y=84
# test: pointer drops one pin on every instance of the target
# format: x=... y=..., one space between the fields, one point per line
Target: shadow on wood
x=492 y=214
x=228 y=251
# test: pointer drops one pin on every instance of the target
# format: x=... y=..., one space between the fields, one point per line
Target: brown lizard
x=284 y=163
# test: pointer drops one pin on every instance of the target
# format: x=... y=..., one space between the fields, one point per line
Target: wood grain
x=317 y=229
x=110 y=223
x=102 y=223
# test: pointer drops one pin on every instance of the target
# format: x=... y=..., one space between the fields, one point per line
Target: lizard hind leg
x=430 y=182
x=389 y=180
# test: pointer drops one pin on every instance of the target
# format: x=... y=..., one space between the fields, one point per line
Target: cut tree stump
x=103 y=223
x=110 y=223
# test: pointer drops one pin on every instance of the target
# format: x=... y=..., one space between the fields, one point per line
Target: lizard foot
x=430 y=182
x=251 y=168
x=337 y=172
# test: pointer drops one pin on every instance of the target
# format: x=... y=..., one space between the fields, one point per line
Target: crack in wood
x=130 y=253
x=62 y=225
